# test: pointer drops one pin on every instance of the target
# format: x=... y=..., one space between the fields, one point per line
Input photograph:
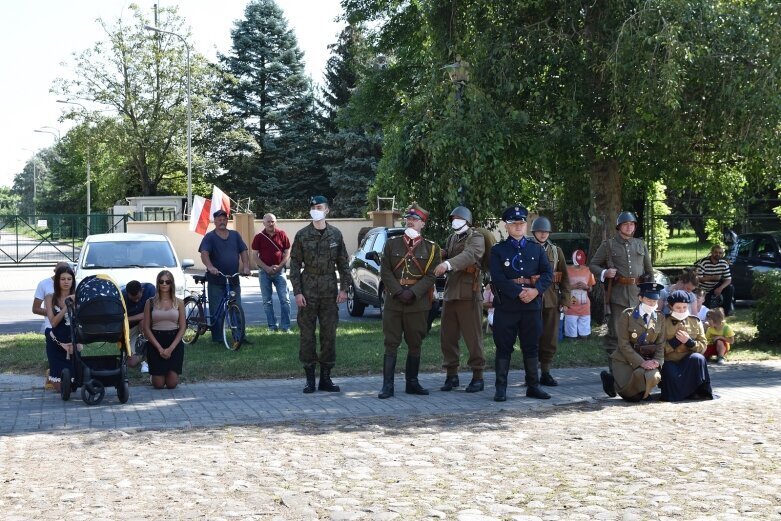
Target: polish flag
x=220 y=201
x=200 y=215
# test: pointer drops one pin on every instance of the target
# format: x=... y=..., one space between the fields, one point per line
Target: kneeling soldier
x=407 y=274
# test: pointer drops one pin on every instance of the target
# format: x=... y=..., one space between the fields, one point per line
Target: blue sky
x=39 y=37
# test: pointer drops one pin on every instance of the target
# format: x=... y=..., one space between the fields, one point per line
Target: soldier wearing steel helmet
x=520 y=273
x=622 y=262
x=556 y=296
x=462 y=310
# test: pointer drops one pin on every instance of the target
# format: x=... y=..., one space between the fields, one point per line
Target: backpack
x=490 y=240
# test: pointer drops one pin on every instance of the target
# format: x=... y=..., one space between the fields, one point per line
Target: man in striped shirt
x=716 y=280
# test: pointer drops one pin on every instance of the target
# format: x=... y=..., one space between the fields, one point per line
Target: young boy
x=577 y=317
x=719 y=336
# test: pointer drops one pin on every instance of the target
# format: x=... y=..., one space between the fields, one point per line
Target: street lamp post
x=89 y=184
x=35 y=156
x=189 y=117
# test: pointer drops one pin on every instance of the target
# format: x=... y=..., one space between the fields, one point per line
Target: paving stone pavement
x=262 y=450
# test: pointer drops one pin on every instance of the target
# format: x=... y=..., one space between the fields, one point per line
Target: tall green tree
x=352 y=149
x=142 y=76
x=565 y=95
x=270 y=99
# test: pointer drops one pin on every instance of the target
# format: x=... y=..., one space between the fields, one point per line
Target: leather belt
x=556 y=277
x=472 y=269
x=408 y=282
x=627 y=281
x=522 y=280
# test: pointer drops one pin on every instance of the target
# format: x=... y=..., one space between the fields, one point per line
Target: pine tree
x=271 y=99
x=351 y=151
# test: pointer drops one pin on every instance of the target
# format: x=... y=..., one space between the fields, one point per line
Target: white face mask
x=457 y=224
x=680 y=316
x=317 y=215
x=645 y=309
x=412 y=233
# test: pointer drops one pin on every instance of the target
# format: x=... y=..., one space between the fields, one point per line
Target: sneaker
x=144 y=367
x=720 y=361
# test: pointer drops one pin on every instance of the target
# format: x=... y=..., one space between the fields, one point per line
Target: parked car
x=366 y=289
x=131 y=256
x=754 y=253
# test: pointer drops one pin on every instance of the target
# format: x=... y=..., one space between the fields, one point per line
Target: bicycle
x=228 y=310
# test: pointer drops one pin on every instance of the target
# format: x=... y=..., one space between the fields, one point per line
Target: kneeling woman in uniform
x=640 y=352
x=685 y=373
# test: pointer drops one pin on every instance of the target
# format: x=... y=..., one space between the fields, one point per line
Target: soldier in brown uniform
x=407 y=273
x=640 y=353
x=462 y=310
x=621 y=262
x=555 y=296
x=317 y=252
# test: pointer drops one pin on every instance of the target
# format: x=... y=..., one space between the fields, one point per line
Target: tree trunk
x=605 y=187
x=698 y=225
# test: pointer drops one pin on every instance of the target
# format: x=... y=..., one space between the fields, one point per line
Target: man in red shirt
x=272 y=251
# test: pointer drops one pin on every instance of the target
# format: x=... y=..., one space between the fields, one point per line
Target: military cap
x=220 y=213
x=678 y=296
x=414 y=210
x=515 y=214
x=317 y=199
x=650 y=289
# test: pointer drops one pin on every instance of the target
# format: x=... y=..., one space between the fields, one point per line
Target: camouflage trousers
x=326 y=311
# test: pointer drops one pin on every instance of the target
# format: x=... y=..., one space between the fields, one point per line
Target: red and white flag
x=220 y=201
x=200 y=215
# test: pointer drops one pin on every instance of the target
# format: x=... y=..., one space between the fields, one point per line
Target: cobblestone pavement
x=351 y=456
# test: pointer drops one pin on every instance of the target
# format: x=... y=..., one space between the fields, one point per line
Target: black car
x=754 y=252
x=366 y=289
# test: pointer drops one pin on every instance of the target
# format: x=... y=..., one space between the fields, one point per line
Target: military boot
x=477 y=384
x=413 y=386
x=310 y=379
x=533 y=389
x=502 y=370
x=451 y=382
x=388 y=373
x=325 y=380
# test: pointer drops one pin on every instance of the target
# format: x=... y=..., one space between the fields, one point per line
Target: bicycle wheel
x=193 y=312
x=233 y=326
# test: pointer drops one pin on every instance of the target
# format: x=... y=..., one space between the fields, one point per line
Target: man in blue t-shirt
x=221 y=250
x=136 y=294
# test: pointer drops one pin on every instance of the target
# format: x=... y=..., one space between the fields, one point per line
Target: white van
x=131 y=256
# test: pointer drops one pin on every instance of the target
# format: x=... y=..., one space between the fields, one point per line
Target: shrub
x=767 y=291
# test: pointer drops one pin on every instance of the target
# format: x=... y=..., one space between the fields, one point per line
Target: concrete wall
x=187 y=242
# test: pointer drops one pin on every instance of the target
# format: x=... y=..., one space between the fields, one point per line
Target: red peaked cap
x=416 y=210
x=579 y=257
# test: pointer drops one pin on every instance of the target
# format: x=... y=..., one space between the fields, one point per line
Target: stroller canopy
x=100 y=312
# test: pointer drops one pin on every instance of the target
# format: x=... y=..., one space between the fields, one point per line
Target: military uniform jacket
x=464 y=252
x=633 y=330
x=396 y=267
x=314 y=259
x=631 y=260
x=513 y=260
x=559 y=292
x=675 y=351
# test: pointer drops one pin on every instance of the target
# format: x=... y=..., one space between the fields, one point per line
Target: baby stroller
x=99 y=315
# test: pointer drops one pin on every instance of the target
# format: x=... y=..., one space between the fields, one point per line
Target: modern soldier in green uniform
x=462 y=308
x=407 y=273
x=317 y=252
x=555 y=296
x=622 y=262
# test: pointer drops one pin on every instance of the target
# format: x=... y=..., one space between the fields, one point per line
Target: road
x=18 y=287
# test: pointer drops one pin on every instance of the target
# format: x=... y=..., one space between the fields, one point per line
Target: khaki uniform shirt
x=559 y=293
x=675 y=351
x=314 y=259
x=395 y=267
x=631 y=259
x=633 y=330
x=464 y=252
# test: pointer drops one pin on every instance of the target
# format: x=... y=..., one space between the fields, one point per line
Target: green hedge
x=767 y=291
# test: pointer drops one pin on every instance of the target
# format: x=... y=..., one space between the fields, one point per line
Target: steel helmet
x=462 y=212
x=541 y=224
x=625 y=217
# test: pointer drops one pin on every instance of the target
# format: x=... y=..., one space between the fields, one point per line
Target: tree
x=270 y=99
x=352 y=149
x=610 y=95
x=142 y=76
x=9 y=202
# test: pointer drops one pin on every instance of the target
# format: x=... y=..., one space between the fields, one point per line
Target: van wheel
x=354 y=307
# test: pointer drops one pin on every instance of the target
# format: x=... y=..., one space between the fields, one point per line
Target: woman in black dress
x=58 y=337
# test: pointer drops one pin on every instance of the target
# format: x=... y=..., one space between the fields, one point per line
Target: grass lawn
x=359 y=352
x=684 y=250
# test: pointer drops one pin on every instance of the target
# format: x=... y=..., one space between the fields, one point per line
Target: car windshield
x=129 y=254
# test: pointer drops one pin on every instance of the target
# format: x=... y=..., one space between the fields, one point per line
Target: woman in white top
x=164 y=326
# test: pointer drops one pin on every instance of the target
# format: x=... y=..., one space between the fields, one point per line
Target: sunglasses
x=164 y=282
